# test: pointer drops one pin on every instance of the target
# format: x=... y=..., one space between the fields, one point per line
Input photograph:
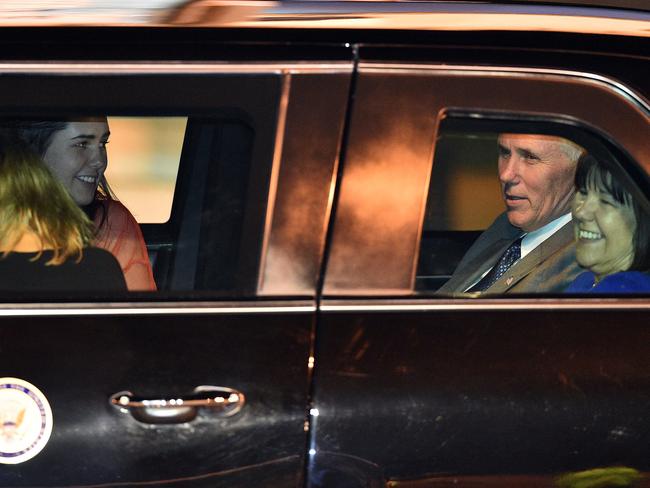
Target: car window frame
x=417 y=97
x=81 y=98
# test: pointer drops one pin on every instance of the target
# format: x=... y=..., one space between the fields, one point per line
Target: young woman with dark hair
x=75 y=152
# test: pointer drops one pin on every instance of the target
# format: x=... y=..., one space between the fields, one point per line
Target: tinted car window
x=210 y=176
x=464 y=198
x=144 y=155
x=416 y=192
x=528 y=192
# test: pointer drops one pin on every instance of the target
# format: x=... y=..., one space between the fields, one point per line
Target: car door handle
x=216 y=400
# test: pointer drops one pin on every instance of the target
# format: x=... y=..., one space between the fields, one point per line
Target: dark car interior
x=201 y=245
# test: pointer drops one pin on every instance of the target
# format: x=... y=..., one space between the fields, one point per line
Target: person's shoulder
x=583 y=282
x=116 y=209
x=97 y=255
x=118 y=217
x=499 y=230
x=104 y=265
x=627 y=281
x=502 y=225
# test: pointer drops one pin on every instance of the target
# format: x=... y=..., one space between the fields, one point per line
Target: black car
x=325 y=167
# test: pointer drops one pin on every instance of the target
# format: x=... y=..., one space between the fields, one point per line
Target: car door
x=204 y=382
x=414 y=389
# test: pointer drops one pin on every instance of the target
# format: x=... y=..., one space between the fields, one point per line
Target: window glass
x=144 y=155
x=464 y=198
x=153 y=203
x=464 y=172
x=219 y=192
x=503 y=215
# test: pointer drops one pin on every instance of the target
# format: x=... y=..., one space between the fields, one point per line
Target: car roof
x=629 y=18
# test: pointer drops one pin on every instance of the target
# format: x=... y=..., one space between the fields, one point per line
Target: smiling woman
x=76 y=155
x=75 y=152
x=612 y=233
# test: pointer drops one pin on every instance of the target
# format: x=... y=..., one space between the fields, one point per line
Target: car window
x=464 y=198
x=202 y=228
x=192 y=196
x=527 y=212
x=144 y=154
x=420 y=181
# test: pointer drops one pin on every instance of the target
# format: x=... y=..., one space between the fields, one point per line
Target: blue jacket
x=622 y=282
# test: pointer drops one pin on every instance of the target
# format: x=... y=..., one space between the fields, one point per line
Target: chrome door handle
x=217 y=400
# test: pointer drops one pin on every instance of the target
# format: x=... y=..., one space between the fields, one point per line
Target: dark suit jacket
x=550 y=267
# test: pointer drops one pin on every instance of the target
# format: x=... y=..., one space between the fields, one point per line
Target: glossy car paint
x=475 y=395
x=465 y=395
x=79 y=361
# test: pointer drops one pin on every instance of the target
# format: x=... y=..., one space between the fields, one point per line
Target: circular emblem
x=25 y=421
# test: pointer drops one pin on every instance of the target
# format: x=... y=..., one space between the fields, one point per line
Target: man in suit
x=530 y=247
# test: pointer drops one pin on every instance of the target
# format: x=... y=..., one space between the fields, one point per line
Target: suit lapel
x=477 y=266
x=533 y=259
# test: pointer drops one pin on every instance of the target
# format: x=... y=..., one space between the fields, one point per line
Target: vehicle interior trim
x=85 y=68
x=480 y=305
x=461 y=70
x=30 y=310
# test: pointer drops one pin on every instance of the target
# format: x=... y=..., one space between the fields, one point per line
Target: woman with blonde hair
x=44 y=235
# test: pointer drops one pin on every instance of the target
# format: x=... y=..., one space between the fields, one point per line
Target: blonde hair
x=32 y=201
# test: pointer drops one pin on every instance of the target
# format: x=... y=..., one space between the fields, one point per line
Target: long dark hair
x=591 y=173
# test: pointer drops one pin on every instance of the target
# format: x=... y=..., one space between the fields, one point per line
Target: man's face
x=536 y=176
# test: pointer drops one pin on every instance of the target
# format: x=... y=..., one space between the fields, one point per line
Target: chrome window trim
x=180 y=67
x=463 y=70
x=167 y=308
x=443 y=305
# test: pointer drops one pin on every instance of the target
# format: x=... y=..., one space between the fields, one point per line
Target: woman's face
x=76 y=155
x=604 y=231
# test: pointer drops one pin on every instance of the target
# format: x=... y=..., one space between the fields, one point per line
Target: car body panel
x=79 y=360
x=479 y=394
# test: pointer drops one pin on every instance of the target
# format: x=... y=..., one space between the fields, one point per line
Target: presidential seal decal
x=25 y=421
